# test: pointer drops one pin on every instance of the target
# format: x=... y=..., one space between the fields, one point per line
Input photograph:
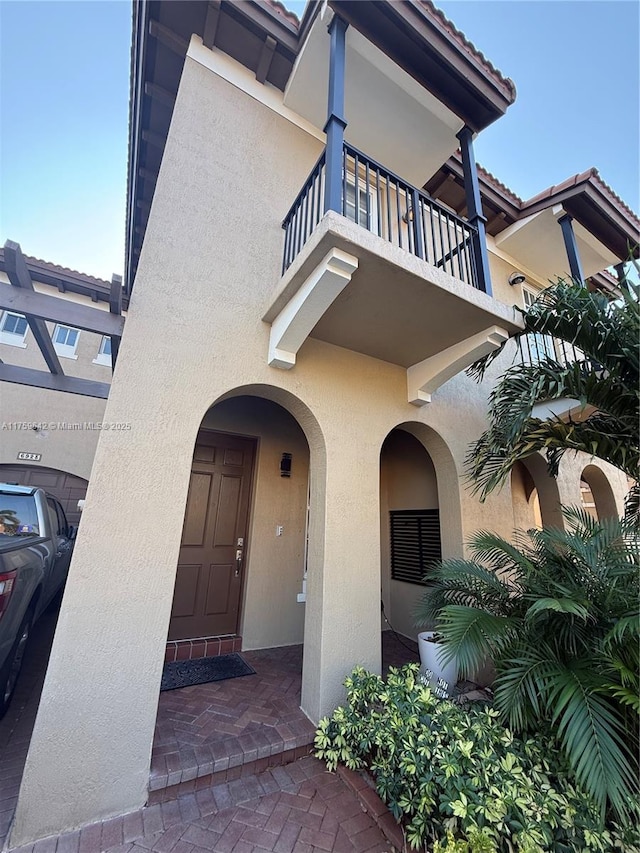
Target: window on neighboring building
x=104 y=353
x=65 y=341
x=13 y=329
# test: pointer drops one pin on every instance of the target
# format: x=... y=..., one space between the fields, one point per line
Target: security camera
x=517 y=278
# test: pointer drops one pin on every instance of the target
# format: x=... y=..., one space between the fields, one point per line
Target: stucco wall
x=70 y=450
x=271 y=614
x=208 y=268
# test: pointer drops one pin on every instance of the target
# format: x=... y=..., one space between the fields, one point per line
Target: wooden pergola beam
x=266 y=55
x=115 y=308
x=53 y=382
x=211 y=23
x=168 y=38
x=44 y=307
x=20 y=278
x=157 y=93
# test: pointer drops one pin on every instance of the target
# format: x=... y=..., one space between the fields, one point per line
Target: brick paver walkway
x=204 y=730
x=210 y=728
x=300 y=808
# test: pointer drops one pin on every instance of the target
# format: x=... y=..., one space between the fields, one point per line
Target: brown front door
x=206 y=600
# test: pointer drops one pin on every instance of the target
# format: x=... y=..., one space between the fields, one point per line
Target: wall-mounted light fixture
x=285 y=465
x=517 y=278
x=408 y=215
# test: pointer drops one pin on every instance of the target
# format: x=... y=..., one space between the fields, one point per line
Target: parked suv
x=36 y=543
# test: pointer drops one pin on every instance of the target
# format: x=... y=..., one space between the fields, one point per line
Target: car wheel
x=13 y=665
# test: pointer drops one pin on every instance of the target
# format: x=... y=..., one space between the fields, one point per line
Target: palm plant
x=605 y=378
x=558 y=614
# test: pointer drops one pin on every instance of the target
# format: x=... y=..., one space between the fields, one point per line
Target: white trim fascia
x=427 y=376
x=296 y=320
x=233 y=72
x=561 y=408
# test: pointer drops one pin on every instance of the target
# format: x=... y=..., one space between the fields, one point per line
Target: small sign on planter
x=30 y=457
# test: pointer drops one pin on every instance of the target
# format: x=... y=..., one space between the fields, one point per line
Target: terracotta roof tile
x=593 y=175
x=491 y=179
x=614 y=196
x=56 y=268
x=281 y=9
x=573 y=181
x=506 y=82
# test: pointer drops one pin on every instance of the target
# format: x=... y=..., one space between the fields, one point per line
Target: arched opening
x=596 y=493
x=241 y=575
x=420 y=522
x=252 y=530
x=534 y=495
x=525 y=499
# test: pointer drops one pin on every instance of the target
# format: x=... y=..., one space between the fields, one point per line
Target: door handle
x=238 y=562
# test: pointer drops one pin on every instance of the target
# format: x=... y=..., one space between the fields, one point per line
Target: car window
x=62 y=520
x=18 y=516
x=53 y=515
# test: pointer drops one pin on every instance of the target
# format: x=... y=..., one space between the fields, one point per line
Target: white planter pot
x=430 y=654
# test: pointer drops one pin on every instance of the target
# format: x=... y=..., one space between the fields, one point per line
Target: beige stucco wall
x=271 y=615
x=66 y=449
x=70 y=450
x=208 y=268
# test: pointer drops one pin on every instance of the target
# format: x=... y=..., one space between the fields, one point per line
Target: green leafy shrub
x=456 y=779
x=558 y=615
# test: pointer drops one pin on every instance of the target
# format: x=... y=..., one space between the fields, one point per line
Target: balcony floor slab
x=396 y=307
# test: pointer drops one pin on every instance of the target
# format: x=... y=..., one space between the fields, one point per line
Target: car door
x=63 y=547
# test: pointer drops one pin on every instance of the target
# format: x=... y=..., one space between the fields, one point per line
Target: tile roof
x=506 y=82
x=503 y=188
x=56 y=269
x=281 y=9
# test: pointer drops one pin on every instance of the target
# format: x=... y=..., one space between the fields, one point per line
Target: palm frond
x=471 y=635
x=592 y=734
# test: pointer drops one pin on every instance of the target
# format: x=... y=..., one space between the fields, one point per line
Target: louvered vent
x=415 y=543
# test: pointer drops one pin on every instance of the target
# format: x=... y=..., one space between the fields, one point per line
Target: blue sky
x=64 y=70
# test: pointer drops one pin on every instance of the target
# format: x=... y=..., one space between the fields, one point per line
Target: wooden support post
x=19 y=276
x=115 y=307
x=575 y=267
x=474 y=206
x=336 y=122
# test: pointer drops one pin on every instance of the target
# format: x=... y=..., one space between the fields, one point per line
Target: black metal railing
x=534 y=348
x=384 y=204
x=304 y=214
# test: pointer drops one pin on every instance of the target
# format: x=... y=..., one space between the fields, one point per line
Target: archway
x=525 y=499
x=420 y=518
x=597 y=495
x=539 y=491
x=241 y=576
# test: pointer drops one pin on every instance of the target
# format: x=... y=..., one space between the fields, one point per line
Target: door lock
x=238 y=562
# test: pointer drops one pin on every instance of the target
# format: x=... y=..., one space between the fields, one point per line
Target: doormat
x=185 y=673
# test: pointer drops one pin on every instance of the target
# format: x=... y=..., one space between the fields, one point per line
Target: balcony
x=536 y=348
x=387 y=206
x=385 y=271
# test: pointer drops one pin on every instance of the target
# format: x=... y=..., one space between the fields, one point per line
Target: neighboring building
x=49 y=439
x=297 y=400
